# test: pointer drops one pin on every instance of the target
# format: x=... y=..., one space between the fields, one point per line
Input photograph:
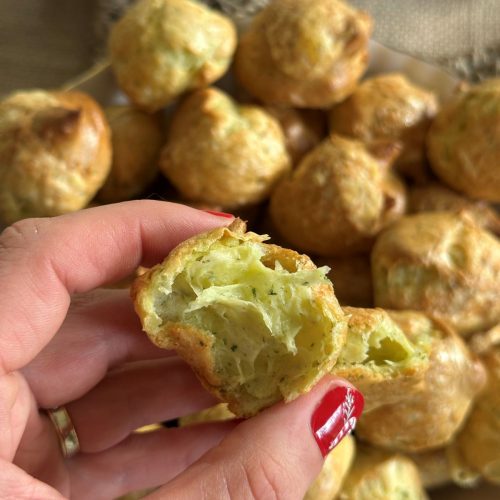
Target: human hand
x=61 y=343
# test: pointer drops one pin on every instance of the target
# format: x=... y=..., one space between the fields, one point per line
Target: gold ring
x=65 y=430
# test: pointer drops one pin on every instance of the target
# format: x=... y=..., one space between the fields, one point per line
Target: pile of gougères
x=375 y=178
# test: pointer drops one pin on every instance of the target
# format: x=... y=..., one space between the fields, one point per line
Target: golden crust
x=352 y=279
x=378 y=475
x=431 y=417
x=137 y=138
x=435 y=197
x=441 y=263
x=482 y=342
x=55 y=153
x=338 y=198
x=335 y=468
x=223 y=154
x=464 y=142
x=198 y=347
x=162 y=48
x=303 y=129
x=479 y=441
x=389 y=107
x=304 y=54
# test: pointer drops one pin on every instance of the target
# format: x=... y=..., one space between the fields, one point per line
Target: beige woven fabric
x=46 y=42
x=460 y=35
x=435 y=28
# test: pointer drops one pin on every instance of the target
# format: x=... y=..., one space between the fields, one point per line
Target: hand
x=64 y=343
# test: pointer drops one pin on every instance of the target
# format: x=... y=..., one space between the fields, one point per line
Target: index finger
x=44 y=261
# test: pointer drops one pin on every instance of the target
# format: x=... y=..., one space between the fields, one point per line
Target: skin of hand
x=65 y=342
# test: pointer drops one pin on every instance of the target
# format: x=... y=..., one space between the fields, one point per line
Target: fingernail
x=219 y=214
x=336 y=416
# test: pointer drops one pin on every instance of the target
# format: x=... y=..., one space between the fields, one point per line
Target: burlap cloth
x=45 y=42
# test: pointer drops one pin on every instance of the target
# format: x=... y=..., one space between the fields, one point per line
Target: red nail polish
x=336 y=416
x=219 y=214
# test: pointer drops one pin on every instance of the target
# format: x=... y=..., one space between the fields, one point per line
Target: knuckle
x=22 y=234
x=265 y=478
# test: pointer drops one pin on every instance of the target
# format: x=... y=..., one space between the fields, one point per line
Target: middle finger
x=100 y=331
x=137 y=394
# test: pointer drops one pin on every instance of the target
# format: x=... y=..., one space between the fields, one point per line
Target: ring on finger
x=66 y=432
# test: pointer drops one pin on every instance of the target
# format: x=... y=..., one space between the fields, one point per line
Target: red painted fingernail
x=336 y=416
x=220 y=214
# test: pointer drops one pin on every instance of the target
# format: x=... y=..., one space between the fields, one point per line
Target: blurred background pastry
x=136 y=139
x=162 y=48
x=304 y=54
x=389 y=107
x=55 y=153
x=222 y=153
x=441 y=263
x=303 y=128
x=379 y=475
x=352 y=276
x=435 y=197
x=464 y=141
x=337 y=199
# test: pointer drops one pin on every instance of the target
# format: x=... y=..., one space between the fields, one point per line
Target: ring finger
x=134 y=395
x=142 y=460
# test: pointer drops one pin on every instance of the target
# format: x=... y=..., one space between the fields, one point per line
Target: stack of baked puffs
x=392 y=189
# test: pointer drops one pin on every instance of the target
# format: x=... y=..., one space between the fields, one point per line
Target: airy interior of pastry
x=430 y=414
x=384 y=346
x=380 y=359
x=257 y=322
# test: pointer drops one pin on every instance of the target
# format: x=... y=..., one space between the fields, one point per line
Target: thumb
x=276 y=454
